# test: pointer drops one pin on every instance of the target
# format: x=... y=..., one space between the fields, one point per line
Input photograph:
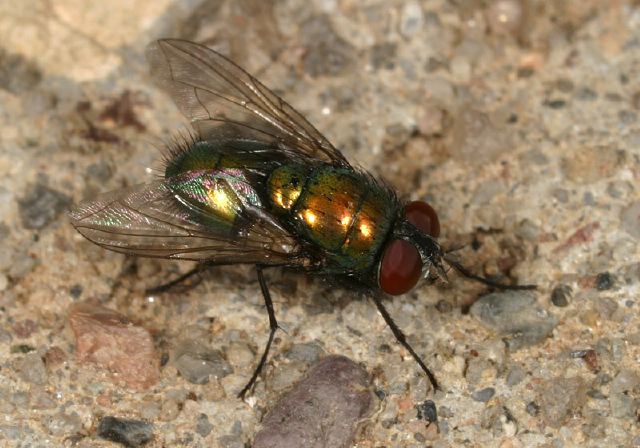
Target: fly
x=259 y=185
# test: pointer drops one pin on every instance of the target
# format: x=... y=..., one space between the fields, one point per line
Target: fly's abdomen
x=341 y=211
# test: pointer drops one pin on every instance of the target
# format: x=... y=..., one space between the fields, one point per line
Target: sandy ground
x=517 y=120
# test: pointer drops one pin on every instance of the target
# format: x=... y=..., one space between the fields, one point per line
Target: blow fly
x=258 y=184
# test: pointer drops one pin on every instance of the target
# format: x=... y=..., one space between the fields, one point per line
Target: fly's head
x=412 y=251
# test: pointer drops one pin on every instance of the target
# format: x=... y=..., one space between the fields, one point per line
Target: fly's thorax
x=285 y=185
x=340 y=211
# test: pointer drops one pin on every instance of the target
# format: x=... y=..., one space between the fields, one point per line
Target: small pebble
x=203 y=426
x=623 y=405
x=130 y=433
x=625 y=381
x=32 y=369
x=76 y=291
x=515 y=376
x=427 y=411
x=560 y=398
x=169 y=410
x=630 y=219
x=198 y=363
x=515 y=314
x=327 y=405
x=604 y=281
x=483 y=395
x=560 y=295
x=18 y=74
x=41 y=206
x=60 y=424
x=22 y=348
x=309 y=352
x=111 y=341
x=533 y=408
x=54 y=356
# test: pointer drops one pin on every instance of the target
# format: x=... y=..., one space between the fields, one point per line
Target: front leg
x=401 y=338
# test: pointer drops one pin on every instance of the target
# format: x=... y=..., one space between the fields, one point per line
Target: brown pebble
x=111 y=341
x=54 y=356
x=24 y=328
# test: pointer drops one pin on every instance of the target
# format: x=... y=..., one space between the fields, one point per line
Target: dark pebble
x=327 y=405
x=130 y=433
x=533 y=408
x=203 y=425
x=484 y=395
x=76 y=291
x=555 y=104
x=604 y=281
x=17 y=73
x=596 y=394
x=427 y=411
x=419 y=437
x=22 y=348
x=383 y=55
x=41 y=205
x=560 y=295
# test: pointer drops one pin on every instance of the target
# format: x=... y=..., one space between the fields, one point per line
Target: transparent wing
x=157 y=220
x=222 y=100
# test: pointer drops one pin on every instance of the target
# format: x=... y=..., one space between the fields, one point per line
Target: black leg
x=184 y=277
x=177 y=281
x=467 y=273
x=401 y=338
x=273 y=326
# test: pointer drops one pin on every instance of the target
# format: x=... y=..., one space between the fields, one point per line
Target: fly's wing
x=184 y=220
x=223 y=100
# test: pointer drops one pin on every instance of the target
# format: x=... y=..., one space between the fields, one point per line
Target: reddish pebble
x=323 y=410
x=111 y=341
x=54 y=356
x=24 y=328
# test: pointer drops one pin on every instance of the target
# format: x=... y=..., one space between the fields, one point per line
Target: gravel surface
x=516 y=119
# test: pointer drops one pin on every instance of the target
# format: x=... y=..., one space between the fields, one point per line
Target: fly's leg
x=273 y=326
x=467 y=273
x=401 y=338
x=195 y=272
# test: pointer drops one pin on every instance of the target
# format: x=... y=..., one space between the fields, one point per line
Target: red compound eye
x=424 y=217
x=400 y=268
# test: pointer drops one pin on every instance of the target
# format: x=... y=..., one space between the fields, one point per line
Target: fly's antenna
x=470 y=275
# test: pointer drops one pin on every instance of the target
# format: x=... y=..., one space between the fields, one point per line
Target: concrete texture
x=517 y=120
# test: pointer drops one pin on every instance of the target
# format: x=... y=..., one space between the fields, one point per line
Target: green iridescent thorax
x=285 y=185
x=340 y=210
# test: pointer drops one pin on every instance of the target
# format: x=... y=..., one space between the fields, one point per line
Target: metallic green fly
x=259 y=185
